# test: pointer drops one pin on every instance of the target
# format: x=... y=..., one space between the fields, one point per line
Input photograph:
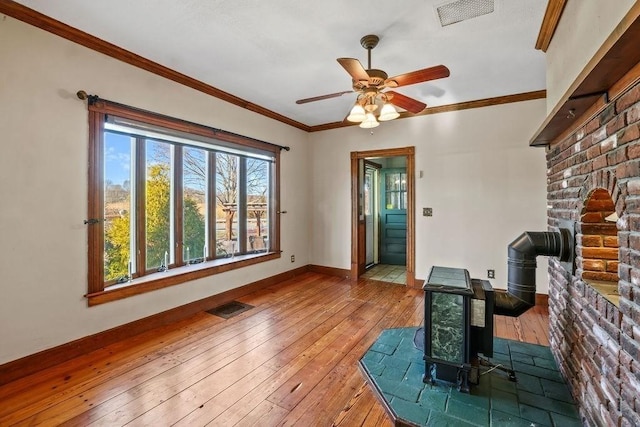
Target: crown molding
x=46 y=23
x=479 y=103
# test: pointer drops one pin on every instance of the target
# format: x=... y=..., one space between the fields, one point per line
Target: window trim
x=97 y=293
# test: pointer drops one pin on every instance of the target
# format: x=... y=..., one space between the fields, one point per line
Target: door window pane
x=396 y=190
x=117 y=206
x=227 y=167
x=158 y=203
x=194 y=204
x=257 y=205
x=368 y=198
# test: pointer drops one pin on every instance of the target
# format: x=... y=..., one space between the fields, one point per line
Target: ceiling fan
x=370 y=85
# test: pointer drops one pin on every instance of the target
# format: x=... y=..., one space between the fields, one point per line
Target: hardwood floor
x=291 y=360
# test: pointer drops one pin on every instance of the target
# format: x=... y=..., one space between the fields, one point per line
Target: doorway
x=388 y=199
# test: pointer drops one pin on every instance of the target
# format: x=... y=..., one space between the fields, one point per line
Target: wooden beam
x=550 y=23
x=608 y=74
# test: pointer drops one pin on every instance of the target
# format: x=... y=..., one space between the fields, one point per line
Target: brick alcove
x=597 y=244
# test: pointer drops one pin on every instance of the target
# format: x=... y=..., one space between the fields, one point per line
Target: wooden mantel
x=613 y=69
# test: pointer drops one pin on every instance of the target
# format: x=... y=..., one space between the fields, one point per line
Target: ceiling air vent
x=461 y=10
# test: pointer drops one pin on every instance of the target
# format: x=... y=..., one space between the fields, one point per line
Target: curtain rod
x=92 y=99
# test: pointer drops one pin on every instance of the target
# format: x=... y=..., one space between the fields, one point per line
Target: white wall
x=485 y=184
x=583 y=28
x=43 y=196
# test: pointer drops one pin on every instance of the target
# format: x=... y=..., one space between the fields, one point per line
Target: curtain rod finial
x=91 y=99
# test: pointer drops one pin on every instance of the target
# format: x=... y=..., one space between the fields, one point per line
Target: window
x=171 y=201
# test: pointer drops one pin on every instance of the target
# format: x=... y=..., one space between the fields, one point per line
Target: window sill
x=176 y=276
x=609 y=290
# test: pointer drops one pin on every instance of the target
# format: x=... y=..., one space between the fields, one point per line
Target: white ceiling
x=272 y=53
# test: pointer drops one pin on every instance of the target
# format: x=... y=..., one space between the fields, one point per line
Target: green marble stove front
x=447 y=327
x=393 y=368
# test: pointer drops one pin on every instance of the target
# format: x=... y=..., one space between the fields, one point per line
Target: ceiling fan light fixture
x=370 y=108
x=357 y=114
x=388 y=112
x=369 y=122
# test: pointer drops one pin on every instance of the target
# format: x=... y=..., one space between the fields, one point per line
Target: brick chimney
x=595 y=312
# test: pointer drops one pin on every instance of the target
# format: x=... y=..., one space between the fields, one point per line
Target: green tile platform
x=393 y=367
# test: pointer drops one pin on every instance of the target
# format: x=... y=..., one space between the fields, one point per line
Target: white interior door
x=370 y=215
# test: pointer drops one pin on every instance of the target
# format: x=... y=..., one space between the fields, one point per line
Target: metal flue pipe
x=521 y=275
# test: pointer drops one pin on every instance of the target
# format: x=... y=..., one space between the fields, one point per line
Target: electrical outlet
x=427 y=212
x=491 y=274
x=293 y=258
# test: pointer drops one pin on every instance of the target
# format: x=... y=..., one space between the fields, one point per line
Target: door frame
x=357 y=225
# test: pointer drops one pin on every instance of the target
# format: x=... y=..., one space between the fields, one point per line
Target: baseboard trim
x=33 y=363
x=542 y=299
x=418 y=284
x=330 y=271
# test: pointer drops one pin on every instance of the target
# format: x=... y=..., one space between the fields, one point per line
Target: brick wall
x=596 y=343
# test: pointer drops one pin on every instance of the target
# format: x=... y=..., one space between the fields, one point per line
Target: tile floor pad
x=540 y=397
x=387 y=273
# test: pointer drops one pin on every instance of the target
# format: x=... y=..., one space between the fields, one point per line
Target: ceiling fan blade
x=321 y=97
x=355 y=69
x=419 y=76
x=412 y=105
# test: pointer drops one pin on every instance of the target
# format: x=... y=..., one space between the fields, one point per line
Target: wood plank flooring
x=291 y=360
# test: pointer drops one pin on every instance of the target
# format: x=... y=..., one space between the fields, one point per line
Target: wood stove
x=458 y=325
x=458 y=310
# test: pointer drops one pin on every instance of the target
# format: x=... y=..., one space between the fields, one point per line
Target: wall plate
x=569 y=231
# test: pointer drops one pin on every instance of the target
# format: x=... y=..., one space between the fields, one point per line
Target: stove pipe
x=521 y=279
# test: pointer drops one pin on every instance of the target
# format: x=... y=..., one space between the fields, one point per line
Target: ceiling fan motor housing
x=377 y=77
